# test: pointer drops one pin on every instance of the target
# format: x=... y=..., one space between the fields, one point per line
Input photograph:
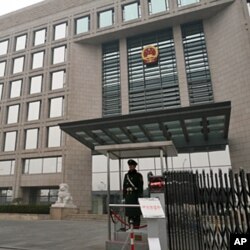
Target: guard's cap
x=132 y=162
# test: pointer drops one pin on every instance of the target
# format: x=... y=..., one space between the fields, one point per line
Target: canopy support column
x=166 y=161
x=108 y=195
x=120 y=177
x=161 y=159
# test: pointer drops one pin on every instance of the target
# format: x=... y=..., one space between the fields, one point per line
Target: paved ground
x=53 y=235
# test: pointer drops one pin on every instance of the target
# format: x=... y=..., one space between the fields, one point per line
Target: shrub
x=25 y=209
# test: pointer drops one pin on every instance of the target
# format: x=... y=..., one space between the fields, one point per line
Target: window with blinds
x=153 y=87
x=196 y=61
x=111 y=91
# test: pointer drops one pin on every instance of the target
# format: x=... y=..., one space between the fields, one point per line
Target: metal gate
x=204 y=209
x=182 y=211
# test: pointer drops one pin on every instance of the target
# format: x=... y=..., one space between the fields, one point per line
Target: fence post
x=132 y=236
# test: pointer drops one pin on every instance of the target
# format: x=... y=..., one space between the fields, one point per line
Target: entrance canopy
x=191 y=129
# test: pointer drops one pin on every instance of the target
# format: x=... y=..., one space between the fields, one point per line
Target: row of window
x=37 y=196
x=33 y=166
x=194 y=162
x=54 y=138
x=130 y=12
x=60 y=31
x=105 y=18
x=203 y=161
x=38 y=59
x=43 y=165
x=57 y=81
x=34 y=110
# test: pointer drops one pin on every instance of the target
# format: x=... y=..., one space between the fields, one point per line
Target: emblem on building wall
x=150 y=54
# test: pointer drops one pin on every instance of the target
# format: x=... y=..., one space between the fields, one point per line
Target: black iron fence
x=204 y=209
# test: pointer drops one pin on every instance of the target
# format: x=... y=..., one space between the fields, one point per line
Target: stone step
x=85 y=216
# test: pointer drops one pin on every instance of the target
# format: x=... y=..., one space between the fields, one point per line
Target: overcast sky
x=8 y=6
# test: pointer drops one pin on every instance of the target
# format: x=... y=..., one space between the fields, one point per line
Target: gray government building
x=75 y=74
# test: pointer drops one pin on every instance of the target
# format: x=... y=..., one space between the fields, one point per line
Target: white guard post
x=161 y=149
x=152 y=210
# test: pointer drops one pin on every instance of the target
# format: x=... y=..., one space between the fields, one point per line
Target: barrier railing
x=204 y=209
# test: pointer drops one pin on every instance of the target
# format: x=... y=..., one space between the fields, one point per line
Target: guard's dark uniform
x=132 y=190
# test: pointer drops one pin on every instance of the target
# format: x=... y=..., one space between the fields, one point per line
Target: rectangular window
x=2 y=68
x=31 y=139
x=82 y=25
x=56 y=107
x=4 y=47
x=15 y=88
x=196 y=61
x=111 y=82
x=50 y=165
x=6 y=195
x=156 y=6
x=57 y=79
x=13 y=114
x=43 y=165
x=60 y=31
x=54 y=136
x=59 y=54
x=10 y=141
x=131 y=11
x=37 y=60
x=18 y=64
x=187 y=2
x=7 y=167
x=47 y=196
x=34 y=111
x=39 y=37
x=21 y=42
x=33 y=166
x=105 y=18
x=35 y=84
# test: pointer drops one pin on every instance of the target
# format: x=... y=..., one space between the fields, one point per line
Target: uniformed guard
x=132 y=190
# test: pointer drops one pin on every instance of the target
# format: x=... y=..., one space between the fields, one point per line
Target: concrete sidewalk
x=53 y=235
